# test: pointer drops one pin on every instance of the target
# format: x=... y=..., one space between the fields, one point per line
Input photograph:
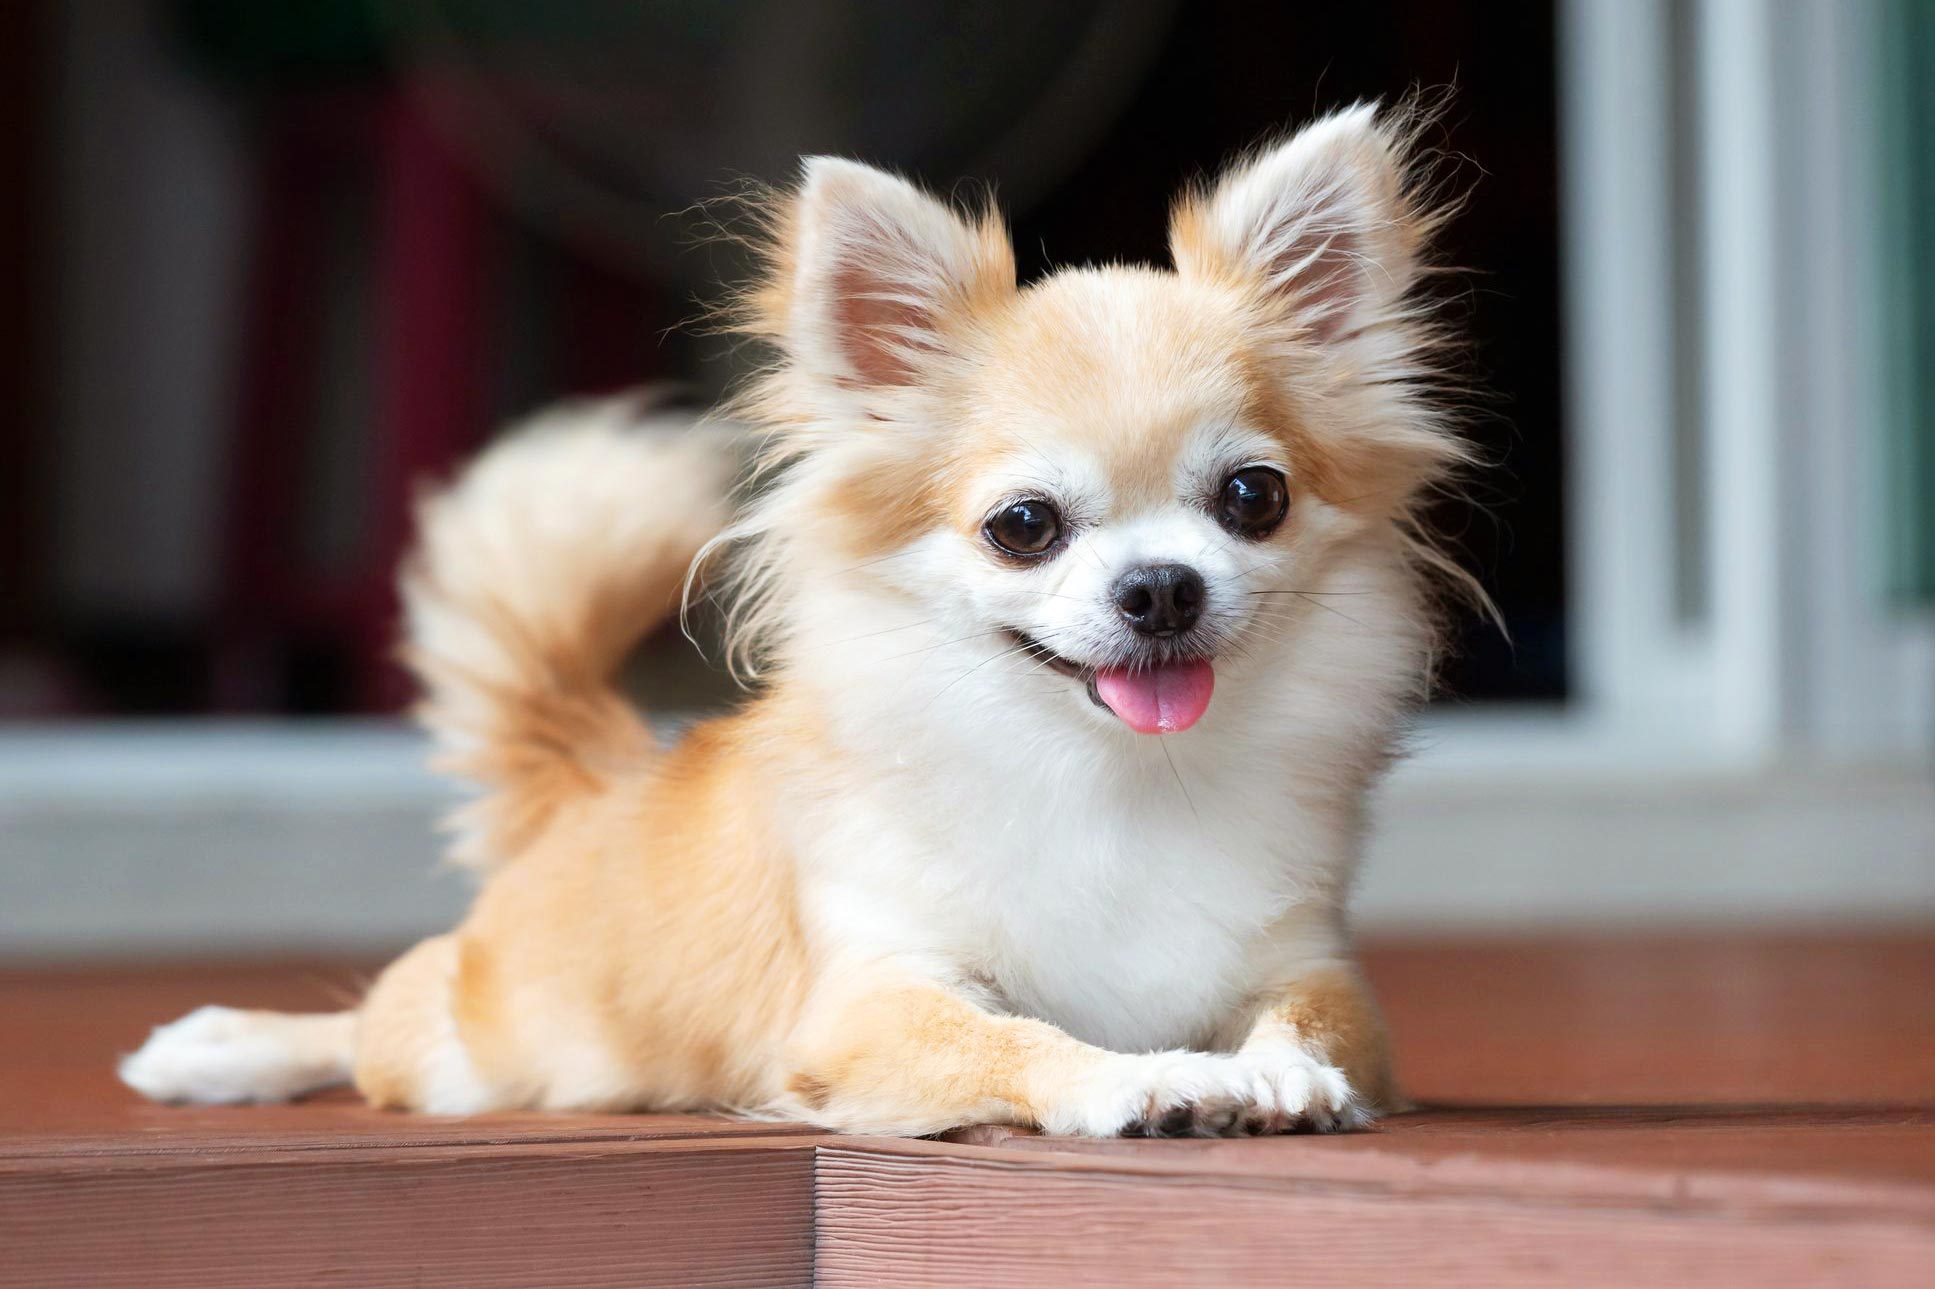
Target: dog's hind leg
x=224 y=1054
x=401 y=1047
x=409 y=1053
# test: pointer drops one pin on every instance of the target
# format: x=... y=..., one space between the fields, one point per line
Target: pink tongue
x=1159 y=700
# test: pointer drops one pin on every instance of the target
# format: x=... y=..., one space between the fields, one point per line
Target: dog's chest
x=1125 y=977
x=1127 y=919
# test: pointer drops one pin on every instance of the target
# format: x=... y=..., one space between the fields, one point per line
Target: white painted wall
x=242 y=838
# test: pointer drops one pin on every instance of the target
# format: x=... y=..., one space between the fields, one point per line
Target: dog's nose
x=1159 y=599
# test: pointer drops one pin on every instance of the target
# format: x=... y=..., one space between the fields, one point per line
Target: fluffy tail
x=537 y=571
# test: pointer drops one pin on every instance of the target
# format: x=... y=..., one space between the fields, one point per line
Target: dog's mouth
x=1048 y=658
x=1156 y=696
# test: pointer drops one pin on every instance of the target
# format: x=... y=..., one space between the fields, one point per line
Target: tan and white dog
x=1085 y=616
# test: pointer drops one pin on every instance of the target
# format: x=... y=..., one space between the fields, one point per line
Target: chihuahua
x=1084 y=616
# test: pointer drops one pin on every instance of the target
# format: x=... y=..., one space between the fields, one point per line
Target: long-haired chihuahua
x=1084 y=615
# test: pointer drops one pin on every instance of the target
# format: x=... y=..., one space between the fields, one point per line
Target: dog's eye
x=1254 y=501
x=1024 y=527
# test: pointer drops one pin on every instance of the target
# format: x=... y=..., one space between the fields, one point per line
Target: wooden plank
x=340 y=1122
x=888 y=1214
x=1621 y=1151
x=1791 y=1159
x=670 y=1214
x=1830 y=1017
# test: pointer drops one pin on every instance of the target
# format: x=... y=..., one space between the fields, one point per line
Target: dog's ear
x=1320 y=225
x=878 y=277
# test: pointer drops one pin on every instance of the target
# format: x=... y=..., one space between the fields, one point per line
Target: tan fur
x=646 y=950
x=913 y=1059
x=535 y=575
x=873 y=512
x=405 y=1016
x=1333 y=1014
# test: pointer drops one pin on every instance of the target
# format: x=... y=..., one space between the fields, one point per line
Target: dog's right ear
x=876 y=279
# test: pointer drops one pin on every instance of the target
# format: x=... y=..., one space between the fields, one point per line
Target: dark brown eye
x=1253 y=502
x=1024 y=527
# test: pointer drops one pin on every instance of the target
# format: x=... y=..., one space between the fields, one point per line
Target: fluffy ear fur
x=1326 y=233
x=1321 y=226
x=881 y=276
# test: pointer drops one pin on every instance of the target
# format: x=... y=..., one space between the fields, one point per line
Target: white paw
x=220 y=1054
x=1204 y=1094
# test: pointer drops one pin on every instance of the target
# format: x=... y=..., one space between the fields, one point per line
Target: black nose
x=1160 y=599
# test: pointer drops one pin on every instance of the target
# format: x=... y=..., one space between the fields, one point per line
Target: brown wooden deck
x=1737 y=1109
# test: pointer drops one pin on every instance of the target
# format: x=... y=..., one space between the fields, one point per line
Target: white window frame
x=1796 y=655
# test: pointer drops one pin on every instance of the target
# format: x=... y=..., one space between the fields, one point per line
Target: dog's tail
x=536 y=572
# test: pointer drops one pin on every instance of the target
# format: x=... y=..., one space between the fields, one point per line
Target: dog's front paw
x=1304 y=1094
x=1201 y=1094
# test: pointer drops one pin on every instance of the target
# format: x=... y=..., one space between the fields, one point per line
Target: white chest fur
x=1133 y=916
x=1123 y=898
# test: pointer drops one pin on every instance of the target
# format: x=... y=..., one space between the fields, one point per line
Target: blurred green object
x=262 y=41
x=1905 y=63
x=251 y=42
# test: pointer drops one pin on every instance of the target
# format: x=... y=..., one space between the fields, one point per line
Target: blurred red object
x=428 y=344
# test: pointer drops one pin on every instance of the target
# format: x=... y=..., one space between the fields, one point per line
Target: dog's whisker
x=940 y=645
x=867 y=564
x=1331 y=609
x=870 y=635
x=1008 y=653
x=1164 y=744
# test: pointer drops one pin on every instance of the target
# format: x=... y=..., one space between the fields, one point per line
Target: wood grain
x=1717 y=1108
x=890 y=1215
x=676 y=1215
x=1861 y=1162
x=1725 y=1017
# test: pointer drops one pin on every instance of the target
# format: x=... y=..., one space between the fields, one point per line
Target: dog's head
x=1106 y=489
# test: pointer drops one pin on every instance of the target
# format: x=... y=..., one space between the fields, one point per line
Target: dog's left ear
x=1319 y=225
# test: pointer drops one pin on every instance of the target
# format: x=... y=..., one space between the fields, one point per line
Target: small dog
x=1085 y=613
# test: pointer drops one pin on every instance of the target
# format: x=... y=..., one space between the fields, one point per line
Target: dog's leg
x=912 y=1057
x=224 y=1054
x=409 y=1055
x=1328 y=1018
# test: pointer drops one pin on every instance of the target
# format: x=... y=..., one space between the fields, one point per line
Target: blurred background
x=267 y=266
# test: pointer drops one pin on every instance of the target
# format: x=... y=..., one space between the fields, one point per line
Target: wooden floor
x=1599 y=1111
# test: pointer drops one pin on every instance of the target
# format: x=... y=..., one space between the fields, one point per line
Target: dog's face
x=1108 y=487
x=1126 y=500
